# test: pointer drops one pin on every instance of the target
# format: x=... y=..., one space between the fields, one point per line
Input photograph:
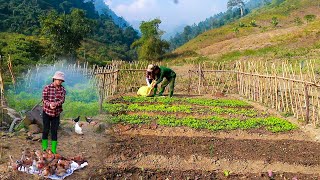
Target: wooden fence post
x=189 y=79
x=199 y=83
x=2 y=98
x=102 y=93
x=307 y=102
x=116 y=81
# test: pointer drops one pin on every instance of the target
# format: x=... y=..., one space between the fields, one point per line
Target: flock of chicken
x=45 y=163
x=78 y=125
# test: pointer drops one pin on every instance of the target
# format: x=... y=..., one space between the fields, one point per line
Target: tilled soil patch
x=152 y=129
x=285 y=151
x=157 y=174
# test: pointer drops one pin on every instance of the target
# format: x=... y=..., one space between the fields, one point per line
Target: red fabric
x=52 y=94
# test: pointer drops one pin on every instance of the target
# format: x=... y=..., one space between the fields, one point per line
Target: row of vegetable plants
x=214 y=123
x=118 y=108
x=195 y=101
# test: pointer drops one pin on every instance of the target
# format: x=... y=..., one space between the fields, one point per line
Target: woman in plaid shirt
x=53 y=96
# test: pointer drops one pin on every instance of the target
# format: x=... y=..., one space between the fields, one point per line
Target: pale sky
x=172 y=15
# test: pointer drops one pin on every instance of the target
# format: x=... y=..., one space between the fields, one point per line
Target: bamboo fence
x=292 y=89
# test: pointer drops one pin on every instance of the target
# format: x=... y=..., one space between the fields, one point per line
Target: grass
x=281 y=47
x=81 y=102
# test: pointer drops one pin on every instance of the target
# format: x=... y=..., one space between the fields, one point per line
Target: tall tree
x=236 y=3
x=150 y=46
x=65 y=32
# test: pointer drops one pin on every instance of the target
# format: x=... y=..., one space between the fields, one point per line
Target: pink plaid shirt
x=53 y=94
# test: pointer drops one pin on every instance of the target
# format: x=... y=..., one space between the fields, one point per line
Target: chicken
x=76 y=119
x=77 y=128
x=89 y=120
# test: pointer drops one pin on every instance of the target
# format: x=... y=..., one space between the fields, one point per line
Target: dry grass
x=287 y=41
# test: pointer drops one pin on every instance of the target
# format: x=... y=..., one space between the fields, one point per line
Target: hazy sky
x=172 y=15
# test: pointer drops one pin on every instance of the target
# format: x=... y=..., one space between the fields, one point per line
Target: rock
x=35 y=116
x=34 y=129
x=7 y=115
x=36 y=137
x=101 y=127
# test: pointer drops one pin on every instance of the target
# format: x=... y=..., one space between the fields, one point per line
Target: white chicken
x=77 y=128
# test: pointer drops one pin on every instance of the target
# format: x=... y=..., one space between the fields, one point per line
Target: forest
x=41 y=31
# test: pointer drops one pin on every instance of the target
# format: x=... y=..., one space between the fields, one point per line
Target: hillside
x=293 y=35
x=27 y=31
x=101 y=7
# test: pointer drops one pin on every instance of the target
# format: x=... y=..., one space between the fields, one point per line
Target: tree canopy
x=65 y=32
x=150 y=46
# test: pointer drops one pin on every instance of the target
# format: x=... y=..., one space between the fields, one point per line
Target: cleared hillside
x=295 y=37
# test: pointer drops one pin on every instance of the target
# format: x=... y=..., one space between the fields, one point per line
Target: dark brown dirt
x=150 y=151
x=115 y=155
x=286 y=151
x=137 y=173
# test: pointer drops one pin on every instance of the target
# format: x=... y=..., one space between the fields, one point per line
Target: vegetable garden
x=189 y=136
x=194 y=137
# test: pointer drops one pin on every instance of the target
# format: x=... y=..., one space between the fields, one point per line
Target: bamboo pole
x=199 y=76
x=307 y=103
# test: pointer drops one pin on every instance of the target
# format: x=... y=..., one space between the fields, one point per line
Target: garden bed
x=159 y=144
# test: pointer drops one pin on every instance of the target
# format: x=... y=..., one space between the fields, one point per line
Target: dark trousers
x=50 y=123
x=164 y=84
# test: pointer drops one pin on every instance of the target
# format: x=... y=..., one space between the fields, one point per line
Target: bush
x=235 y=30
x=253 y=23
x=241 y=24
x=310 y=17
x=274 y=21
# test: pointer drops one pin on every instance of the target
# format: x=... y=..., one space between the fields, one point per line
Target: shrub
x=274 y=21
x=253 y=23
x=235 y=30
x=310 y=17
x=241 y=24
